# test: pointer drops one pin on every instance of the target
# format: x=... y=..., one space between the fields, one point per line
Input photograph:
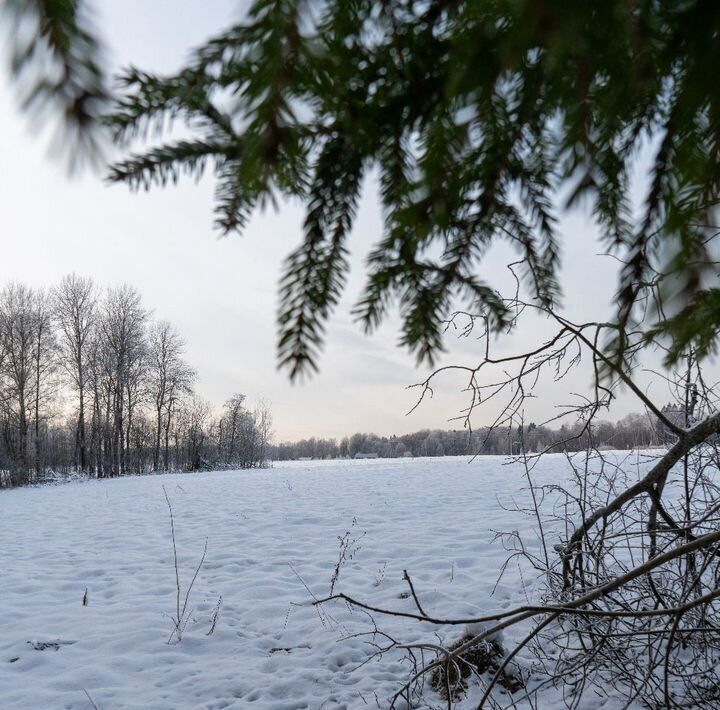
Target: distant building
x=360 y=455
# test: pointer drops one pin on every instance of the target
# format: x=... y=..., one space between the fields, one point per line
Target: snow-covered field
x=272 y=535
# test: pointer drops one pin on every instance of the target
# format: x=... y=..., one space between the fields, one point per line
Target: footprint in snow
x=54 y=645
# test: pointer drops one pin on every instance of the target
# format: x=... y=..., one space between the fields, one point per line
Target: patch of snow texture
x=270 y=534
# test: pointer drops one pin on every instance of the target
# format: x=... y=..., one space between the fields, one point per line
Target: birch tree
x=27 y=354
x=170 y=377
x=44 y=353
x=122 y=328
x=75 y=304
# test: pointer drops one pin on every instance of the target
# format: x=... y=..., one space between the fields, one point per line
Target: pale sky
x=221 y=293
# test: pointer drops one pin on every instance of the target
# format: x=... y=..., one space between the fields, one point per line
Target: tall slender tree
x=44 y=366
x=28 y=351
x=123 y=328
x=17 y=319
x=75 y=304
x=170 y=377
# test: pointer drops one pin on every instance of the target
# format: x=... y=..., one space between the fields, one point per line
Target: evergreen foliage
x=57 y=61
x=483 y=119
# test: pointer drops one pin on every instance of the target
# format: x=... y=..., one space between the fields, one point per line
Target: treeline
x=633 y=431
x=90 y=382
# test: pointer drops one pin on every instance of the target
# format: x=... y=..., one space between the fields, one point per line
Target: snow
x=272 y=535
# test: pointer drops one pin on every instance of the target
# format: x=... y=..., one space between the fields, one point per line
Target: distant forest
x=632 y=431
x=91 y=383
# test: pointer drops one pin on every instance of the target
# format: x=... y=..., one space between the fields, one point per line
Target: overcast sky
x=221 y=293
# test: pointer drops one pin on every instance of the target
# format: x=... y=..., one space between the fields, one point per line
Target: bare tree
x=170 y=377
x=44 y=366
x=16 y=315
x=627 y=554
x=243 y=434
x=135 y=392
x=231 y=426
x=23 y=366
x=123 y=329
x=196 y=415
x=75 y=305
x=131 y=389
x=263 y=423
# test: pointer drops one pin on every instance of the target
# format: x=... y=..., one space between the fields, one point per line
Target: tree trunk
x=158 y=431
x=167 y=440
x=82 y=446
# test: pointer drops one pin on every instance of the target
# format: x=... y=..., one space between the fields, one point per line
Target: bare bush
x=182 y=612
x=629 y=547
